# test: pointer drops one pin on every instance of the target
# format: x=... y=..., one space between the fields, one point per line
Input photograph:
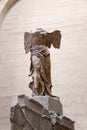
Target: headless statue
x=37 y=43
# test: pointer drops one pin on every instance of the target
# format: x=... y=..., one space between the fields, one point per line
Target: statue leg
x=38 y=82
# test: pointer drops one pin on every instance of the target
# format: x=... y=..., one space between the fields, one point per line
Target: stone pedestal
x=50 y=103
x=39 y=113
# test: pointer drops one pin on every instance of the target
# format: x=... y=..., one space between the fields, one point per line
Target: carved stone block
x=50 y=103
x=39 y=113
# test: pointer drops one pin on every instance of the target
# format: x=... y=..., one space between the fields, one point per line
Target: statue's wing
x=27 y=42
x=54 y=38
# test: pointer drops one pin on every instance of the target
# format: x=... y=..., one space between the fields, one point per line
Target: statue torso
x=38 y=40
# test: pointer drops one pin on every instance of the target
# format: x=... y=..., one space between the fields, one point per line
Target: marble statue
x=42 y=111
x=37 y=43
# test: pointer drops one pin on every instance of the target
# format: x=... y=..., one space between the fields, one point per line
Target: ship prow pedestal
x=39 y=113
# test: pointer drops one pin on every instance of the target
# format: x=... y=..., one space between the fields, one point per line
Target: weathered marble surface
x=29 y=114
x=37 y=43
x=50 y=103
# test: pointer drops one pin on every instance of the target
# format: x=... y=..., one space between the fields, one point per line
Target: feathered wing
x=27 y=42
x=54 y=38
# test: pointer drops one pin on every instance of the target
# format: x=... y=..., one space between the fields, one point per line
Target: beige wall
x=5 y=5
x=69 y=64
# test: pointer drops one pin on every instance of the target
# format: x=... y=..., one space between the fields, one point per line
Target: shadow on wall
x=5 y=8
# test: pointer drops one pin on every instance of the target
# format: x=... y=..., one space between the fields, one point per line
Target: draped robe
x=40 y=70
